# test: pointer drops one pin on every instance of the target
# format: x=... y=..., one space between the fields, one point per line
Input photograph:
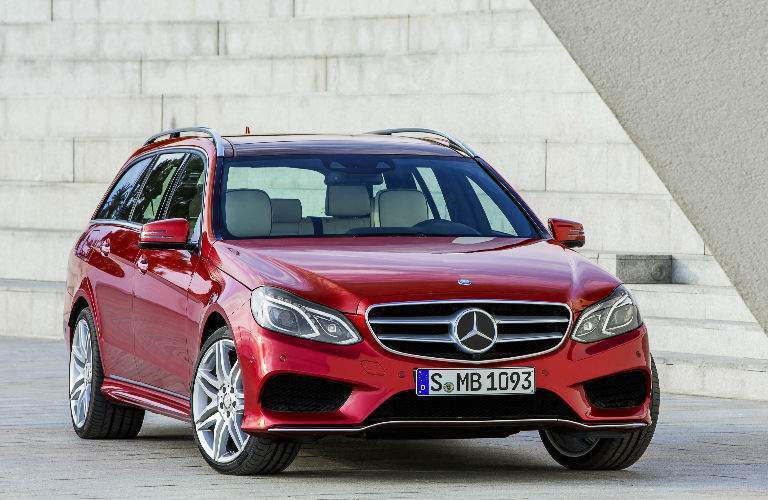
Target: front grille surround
x=533 y=312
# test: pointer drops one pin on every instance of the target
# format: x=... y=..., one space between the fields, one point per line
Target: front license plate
x=431 y=382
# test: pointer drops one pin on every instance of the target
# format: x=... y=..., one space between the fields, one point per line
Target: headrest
x=399 y=208
x=286 y=210
x=347 y=201
x=248 y=212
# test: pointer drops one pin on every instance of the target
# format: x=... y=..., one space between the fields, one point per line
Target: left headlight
x=612 y=316
x=283 y=312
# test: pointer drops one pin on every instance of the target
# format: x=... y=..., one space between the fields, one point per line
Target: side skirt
x=150 y=398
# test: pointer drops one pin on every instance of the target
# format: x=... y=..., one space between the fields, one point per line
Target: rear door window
x=150 y=197
x=119 y=202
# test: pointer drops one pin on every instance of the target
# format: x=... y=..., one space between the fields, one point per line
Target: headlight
x=614 y=315
x=283 y=312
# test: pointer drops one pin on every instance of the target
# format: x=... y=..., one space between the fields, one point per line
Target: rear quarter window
x=120 y=200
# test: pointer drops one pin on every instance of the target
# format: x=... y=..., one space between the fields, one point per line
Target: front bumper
x=377 y=375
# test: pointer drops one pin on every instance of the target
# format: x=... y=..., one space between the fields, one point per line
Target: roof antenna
x=247 y=130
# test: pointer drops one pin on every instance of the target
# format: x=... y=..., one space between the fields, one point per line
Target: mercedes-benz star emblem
x=474 y=331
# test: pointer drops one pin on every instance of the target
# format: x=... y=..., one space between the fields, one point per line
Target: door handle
x=142 y=264
x=105 y=248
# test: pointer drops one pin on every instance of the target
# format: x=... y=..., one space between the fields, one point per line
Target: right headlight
x=284 y=312
x=612 y=316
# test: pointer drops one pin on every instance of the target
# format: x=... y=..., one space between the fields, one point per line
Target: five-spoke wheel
x=80 y=373
x=218 y=402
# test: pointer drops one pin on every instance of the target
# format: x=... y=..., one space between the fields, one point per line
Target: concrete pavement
x=703 y=447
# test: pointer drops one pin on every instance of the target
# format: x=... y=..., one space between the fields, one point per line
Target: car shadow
x=519 y=457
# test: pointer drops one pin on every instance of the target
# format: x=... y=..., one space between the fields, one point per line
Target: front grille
x=625 y=390
x=424 y=328
x=406 y=405
x=299 y=393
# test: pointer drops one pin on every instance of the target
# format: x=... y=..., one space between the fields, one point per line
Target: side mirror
x=567 y=232
x=169 y=233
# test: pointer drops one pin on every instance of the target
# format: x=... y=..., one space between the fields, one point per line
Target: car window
x=365 y=195
x=284 y=182
x=496 y=218
x=151 y=195
x=118 y=204
x=186 y=201
x=432 y=190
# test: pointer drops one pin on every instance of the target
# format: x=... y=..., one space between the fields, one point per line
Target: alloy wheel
x=80 y=373
x=218 y=403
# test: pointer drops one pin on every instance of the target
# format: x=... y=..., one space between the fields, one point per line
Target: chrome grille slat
x=433 y=320
x=441 y=339
x=422 y=329
x=510 y=320
x=522 y=337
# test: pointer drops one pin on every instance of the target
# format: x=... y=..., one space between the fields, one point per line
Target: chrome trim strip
x=438 y=339
x=526 y=337
x=447 y=320
x=528 y=422
x=147 y=386
x=471 y=301
x=423 y=320
x=528 y=320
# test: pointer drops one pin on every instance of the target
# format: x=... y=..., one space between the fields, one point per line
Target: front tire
x=217 y=415
x=93 y=415
x=581 y=452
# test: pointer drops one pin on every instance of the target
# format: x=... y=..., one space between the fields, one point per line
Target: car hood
x=350 y=273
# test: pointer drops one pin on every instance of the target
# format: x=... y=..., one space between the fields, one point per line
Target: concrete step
x=44 y=205
x=64 y=160
x=32 y=308
x=694 y=302
x=525 y=70
x=687 y=269
x=197 y=10
x=707 y=337
x=559 y=117
x=714 y=376
x=34 y=254
x=277 y=36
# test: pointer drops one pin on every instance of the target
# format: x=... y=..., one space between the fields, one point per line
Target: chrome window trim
x=565 y=337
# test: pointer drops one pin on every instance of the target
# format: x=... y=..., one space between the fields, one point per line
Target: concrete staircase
x=82 y=82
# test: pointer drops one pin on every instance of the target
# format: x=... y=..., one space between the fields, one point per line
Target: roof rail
x=218 y=142
x=452 y=141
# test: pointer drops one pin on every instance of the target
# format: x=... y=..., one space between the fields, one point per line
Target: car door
x=113 y=242
x=160 y=323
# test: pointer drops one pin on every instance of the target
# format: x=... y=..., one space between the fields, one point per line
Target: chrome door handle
x=105 y=248
x=142 y=264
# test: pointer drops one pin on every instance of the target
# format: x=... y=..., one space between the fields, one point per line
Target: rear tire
x=217 y=412
x=584 y=453
x=93 y=415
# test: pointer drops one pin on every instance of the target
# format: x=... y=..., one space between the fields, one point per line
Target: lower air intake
x=625 y=390
x=300 y=393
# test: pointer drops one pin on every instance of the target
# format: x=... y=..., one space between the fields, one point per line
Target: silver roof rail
x=218 y=142
x=457 y=144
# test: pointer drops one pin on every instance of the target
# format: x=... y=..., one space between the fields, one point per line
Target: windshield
x=365 y=195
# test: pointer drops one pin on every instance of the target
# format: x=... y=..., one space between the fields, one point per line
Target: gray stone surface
x=644 y=269
x=686 y=80
x=703 y=448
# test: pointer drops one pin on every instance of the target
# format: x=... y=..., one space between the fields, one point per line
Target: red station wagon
x=272 y=290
